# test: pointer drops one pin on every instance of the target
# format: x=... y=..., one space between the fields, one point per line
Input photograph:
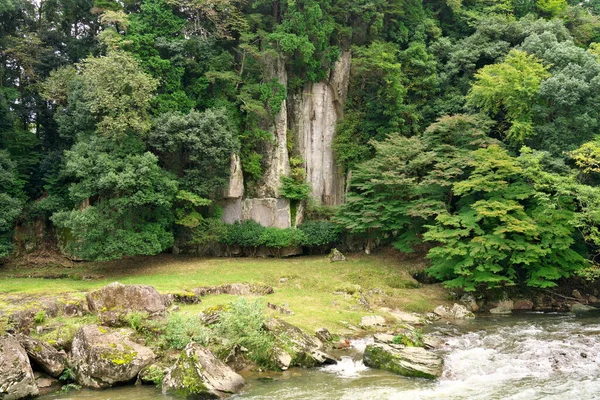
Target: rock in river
x=50 y=360
x=199 y=374
x=16 y=377
x=406 y=361
x=101 y=357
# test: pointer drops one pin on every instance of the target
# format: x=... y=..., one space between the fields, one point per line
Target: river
x=526 y=356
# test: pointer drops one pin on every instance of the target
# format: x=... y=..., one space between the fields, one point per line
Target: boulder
x=199 y=374
x=432 y=342
x=523 y=305
x=456 y=312
x=500 y=311
x=370 y=321
x=579 y=308
x=115 y=300
x=50 y=360
x=294 y=347
x=336 y=256
x=323 y=335
x=16 y=376
x=405 y=317
x=406 y=361
x=235 y=289
x=46 y=384
x=101 y=357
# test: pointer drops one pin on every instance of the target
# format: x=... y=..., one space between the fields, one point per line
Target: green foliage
x=511 y=88
x=320 y=233
x=510 y=226
x=125 y=201
x=186 y=213
x=245 y=234
x=279 y=238
x=243 y=324
x=11 y=202
x=39 y=317
x=292 y=189
x=180 y=330
x=413 y=338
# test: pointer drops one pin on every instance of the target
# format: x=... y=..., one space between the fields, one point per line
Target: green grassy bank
x=318 y=292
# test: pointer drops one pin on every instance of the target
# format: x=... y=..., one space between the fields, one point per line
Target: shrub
x=243 y=324
x=181 y=330
x=278 y=238
x=293 y=189
x=245 y=234
x=319 y=233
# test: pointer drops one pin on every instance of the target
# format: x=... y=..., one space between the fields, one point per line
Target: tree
x=508 y=228
x=510 y=89
x=124 y=199
x=11 y=202
x=197 y=148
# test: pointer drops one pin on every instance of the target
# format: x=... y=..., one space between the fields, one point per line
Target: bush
x=245 y=234
x=293 y=189
x=319 y=233
x=243 y=324
x=278 y=238
x=181 y=330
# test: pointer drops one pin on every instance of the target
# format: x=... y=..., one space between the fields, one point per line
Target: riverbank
x=318 y=293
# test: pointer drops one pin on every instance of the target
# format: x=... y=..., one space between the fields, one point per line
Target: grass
x=320 y=293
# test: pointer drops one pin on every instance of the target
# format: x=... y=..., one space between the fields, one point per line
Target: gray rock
x=16 y=376
x=235 y=189
x=45 y=356
x=523 y=305
x=575 y=293
x=432 y=342
x=405 y=317
x=336 y=256
x=199 y=374
x=293 y=346
x=115 y=300
x=579 y=308
x=101 y=357
x=267 y=211
x=235 y=289
x=323 y=335
x=370 y=321
x=406 y=361
x=384 y=338
x=456 y=312
x=500 y=311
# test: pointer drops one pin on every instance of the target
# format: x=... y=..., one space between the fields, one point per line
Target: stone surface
x=405 y=317
x=500 y=311
x=123 y=299
x=336 y=256
x=232 y=210
x=432 y=342
x=469 y=301
x=235 y=188
x=199 y=374
x=371 y=321
x=523 y=305
x=384 y=338
x=276 y=158
x=16 y=376
x=46 y=384
x=323 y=335
x=456 y=312
x=579 y=308
x=406 y=361
x=267 y=212
x=235 y=289
x=316 y=112
x=101 y=357
x=294 y=347
x=45 y=356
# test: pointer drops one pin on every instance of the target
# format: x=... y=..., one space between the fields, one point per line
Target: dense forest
x=464 y=129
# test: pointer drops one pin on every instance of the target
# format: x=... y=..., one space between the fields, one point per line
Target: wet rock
x=116 y=300
x=45 y=356
x=293 y=346
x=383 y=338
x=406 y=361
x=579 y=308
x=469 y=301
x=500 y=311
x=370 y=321
x=523 y=305
x=323 y=335
x=101 y=357
x=16 y=376
x=456 y=312
x=46 y=384
x=432 y=342
x=336 y=256
x=199 y=374
x=405 y=317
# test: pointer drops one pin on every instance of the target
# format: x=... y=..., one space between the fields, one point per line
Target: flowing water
x=528 y=356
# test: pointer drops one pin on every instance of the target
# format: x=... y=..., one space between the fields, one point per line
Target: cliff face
x=316 y=112
x=310 y=117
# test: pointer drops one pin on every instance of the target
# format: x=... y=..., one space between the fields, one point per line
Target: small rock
x=579 y=308
x=283 y=280
x=405 y=317
x=575 y=293
x=592 y=299
x=523 y=305
x=500 y=311
x=342 y=344
x=323 y=335
x=280 y=309
x=383 y=338
x=336 y=256
x=371 y=321
x=432 y=342
x=456 y=312
x=469 y=301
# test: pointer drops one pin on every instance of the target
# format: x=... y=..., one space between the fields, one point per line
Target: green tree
x=11 y=202
x=508 y=228
x=511 y=89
